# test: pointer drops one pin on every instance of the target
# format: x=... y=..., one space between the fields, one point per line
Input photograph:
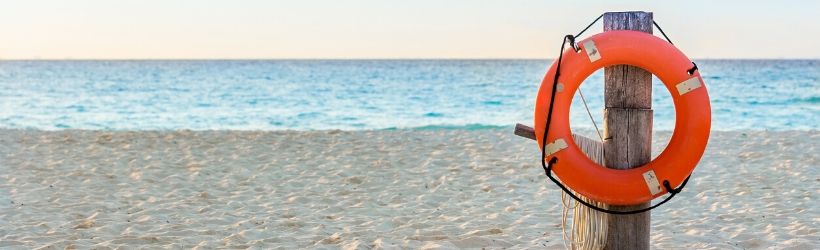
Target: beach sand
x=372 y=189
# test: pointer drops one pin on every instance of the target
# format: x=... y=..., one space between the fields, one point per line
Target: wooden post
x=627 y=129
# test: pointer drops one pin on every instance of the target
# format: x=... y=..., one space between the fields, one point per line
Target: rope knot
x=692 y=70
x=571 y=39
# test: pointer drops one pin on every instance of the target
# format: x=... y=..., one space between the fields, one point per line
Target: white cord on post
x=590 y=115
x=589 y=227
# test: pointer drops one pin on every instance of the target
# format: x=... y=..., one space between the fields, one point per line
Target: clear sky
x=196 y=29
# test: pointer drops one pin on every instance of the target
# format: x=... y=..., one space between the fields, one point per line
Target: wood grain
x=628 y=130
x=524 y=131
x=620 y=88
x=628 y=20
x=621 y=85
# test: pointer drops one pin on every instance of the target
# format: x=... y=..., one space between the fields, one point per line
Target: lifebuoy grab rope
x=691 y=129
x=669 y=189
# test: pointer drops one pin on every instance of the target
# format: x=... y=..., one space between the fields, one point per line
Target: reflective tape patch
x=592 y=51
x=688 y=85
x=652 y=182
x=555 y=146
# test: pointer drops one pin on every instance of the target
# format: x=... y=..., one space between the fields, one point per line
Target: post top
x=623 y=12
x=628 y=20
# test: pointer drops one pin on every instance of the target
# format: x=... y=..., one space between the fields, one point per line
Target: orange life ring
x=692 y=117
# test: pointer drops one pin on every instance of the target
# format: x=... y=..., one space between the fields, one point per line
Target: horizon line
x=351 y=59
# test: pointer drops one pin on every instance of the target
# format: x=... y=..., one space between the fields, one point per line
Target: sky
x=385 y=29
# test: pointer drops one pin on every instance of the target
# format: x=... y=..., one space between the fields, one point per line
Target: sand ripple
x=377 y=189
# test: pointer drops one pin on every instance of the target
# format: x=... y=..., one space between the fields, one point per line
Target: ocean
x=366 y=94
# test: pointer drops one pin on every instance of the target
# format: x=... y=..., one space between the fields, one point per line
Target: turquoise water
x=365 y=94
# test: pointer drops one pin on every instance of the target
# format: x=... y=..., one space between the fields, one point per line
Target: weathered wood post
x=627 y=129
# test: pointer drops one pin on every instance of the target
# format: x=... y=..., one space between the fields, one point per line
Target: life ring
x=692 y=117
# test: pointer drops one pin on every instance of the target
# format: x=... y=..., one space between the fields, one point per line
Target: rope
x=552 y=103
x=584 y=100
x=584 y=30
x=694 y=66
x=589 y=227
x=662 y=33
x=548 y=166
x=669 y=189
x=692 y=70
x=593 y=233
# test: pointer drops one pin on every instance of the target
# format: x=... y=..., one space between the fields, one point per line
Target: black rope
x=572 y=38
x=666 y=185
x=692 y=70
x=552 y=103
x=590 y=25
x=662 y=33
x=548 y=165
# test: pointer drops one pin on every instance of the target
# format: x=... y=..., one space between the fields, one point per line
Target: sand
x=371 y=189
